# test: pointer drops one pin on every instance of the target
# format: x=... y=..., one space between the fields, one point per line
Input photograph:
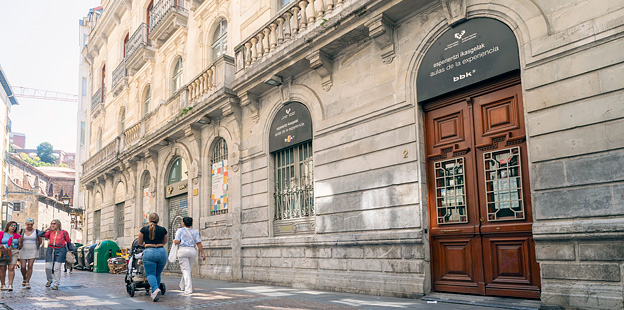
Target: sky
x=39 y=48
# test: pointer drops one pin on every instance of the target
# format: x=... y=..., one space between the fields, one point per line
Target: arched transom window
x=177 y=75
x=219 y=40
x=178 y=171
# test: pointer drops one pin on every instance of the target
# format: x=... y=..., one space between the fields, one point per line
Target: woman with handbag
x=29 y=244
x=186 y=238
x=59 y=245
x=153 y=238
x=9 y=239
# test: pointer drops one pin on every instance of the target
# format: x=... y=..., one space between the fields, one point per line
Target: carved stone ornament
x=455 y=11
x=251 y=102
x=380 y=29
x=322 y=64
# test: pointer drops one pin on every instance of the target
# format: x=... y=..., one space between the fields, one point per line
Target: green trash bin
x=105 y=250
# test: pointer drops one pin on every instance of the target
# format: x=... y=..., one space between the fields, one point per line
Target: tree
x=35 y=162
x=45 y=151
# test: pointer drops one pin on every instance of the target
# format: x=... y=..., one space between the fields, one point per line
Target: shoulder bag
x=173 y=253
x=5 y=253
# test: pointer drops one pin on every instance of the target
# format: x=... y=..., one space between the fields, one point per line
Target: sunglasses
x=52 y=223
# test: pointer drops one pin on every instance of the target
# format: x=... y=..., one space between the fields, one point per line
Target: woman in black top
x=154 y=237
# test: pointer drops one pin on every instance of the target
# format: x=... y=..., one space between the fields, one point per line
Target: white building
x=6 y=101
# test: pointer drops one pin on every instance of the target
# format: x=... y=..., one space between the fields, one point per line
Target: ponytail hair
x=153 y=220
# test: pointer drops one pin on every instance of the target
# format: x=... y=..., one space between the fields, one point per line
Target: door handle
x=449 y=230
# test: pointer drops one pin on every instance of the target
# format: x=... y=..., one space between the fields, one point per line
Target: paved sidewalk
x=107 y=291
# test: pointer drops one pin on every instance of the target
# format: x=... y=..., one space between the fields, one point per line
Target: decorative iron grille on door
x=119 y=219
x=97 y=222
x=294 y=187
x=219 y=166
x=178 y=208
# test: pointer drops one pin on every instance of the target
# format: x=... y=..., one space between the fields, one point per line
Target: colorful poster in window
x=147 y=202
x=219 y=193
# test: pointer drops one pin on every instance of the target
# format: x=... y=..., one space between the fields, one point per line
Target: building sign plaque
x=292 y=125
x=176 y=189
x=471 y=52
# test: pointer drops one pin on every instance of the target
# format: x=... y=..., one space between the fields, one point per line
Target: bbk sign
x=474 y=51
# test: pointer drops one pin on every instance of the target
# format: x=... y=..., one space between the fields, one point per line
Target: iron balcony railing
x=98 y=97
x=119 y=73
x=162 y=9
x=138 y=39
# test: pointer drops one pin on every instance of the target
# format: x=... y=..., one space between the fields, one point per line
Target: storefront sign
x=292 y=125
x=176 y=189
x=219 y=193
x=471 y=52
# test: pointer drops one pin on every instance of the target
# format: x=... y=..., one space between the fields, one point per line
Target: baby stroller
x=135 y=276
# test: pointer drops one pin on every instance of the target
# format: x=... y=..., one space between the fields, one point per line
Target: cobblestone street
x=107 y=291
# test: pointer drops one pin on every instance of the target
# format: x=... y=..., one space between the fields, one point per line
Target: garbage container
x=88 y=256
x=76 y=246
x=80 y=258
x=103 y=252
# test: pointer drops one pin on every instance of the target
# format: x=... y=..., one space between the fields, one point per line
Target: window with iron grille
x=119 y=219
x=17 y=206
x=294 y=182
x=219 y=178
x=97 y=222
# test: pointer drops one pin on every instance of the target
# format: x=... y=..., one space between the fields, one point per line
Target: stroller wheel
x=131 y=288
x=162 y=288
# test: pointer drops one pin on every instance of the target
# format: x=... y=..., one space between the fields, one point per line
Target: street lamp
x=65 y=199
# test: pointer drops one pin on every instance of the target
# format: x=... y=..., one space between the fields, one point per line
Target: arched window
x=122 y=121
x=125 y=44
x=103 y=84
x=146 y=197
x=146 y=100
x=290 y=144
x=177 y=75
x=282 y=3
x=219 y=176
x=178 y=171
x=99 y=139
x=219 y=40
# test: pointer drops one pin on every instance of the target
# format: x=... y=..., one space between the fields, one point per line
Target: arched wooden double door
x=478 y=190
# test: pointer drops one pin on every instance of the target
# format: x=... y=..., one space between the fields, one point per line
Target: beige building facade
x=371 y=146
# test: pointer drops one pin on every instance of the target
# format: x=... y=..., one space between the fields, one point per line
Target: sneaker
x=48 y=284
x=3 y=288
x=156 y=295
x=71 y=272
x=55 y=287
x=10 y=288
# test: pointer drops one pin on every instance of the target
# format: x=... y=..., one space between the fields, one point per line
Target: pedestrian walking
x=153 y=237
x=9 y=238
x=59 y=244
x=187 y=238
x=29 y=244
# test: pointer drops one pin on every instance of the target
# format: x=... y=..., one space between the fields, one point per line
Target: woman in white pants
x=186 y=238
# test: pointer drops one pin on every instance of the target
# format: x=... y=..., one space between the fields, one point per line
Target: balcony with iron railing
x=166 y=17
x=120 y=78
x=294 y=20
x=97 y=101
x=138 y=49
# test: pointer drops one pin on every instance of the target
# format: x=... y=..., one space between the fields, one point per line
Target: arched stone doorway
x=176 y=194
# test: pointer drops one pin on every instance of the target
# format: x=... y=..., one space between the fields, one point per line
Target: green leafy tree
x=35 y=162
x=45 y=151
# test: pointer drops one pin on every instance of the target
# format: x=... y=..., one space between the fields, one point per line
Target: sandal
x=3 y=288
x=27 y=285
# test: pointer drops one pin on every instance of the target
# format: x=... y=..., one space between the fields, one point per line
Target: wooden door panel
x=498 y=116
x=448 y=131
x=512 y=270
x=457 y=261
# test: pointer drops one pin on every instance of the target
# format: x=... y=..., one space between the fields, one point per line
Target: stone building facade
x=371 y=146
x=37 y=193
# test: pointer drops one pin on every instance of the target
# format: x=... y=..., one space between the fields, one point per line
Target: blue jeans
x=154 y=260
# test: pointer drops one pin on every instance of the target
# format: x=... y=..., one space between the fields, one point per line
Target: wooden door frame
x=478 y=89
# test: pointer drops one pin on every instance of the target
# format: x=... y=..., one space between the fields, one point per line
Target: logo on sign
x=459 y=35
x=289 y=138
x=463 y=76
